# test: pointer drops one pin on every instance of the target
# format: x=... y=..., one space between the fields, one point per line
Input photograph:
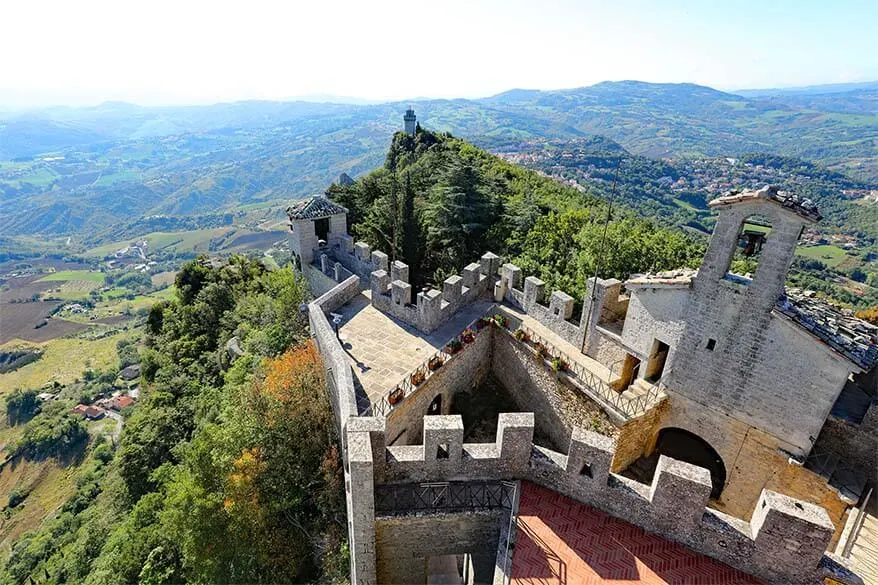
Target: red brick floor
x=562 y=542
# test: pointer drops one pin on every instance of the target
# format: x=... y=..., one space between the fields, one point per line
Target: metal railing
x=456 y=496
x=589 y=382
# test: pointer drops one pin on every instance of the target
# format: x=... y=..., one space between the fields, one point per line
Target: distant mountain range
x=809 y=89
x=123 y=161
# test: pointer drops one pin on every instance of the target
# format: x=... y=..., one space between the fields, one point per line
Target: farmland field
x=63 y=361
x=19 y=320
x=830 y=255
x=87 y=275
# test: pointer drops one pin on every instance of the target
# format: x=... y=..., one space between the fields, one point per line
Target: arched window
x=752 y=236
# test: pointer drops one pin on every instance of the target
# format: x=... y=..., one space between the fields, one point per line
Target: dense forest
x=226 y=472
x=438 y=203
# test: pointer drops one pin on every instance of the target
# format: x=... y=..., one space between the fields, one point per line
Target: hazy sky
x=189 y=51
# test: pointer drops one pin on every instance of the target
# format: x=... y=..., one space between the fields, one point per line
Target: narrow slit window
x=711 y=343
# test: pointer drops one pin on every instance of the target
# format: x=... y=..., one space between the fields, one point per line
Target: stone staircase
x=638 y=389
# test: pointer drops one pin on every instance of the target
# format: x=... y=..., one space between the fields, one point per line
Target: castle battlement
x=392 y=293
x=785 y=540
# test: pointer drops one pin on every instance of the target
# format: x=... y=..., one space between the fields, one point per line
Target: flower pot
x=396 y=396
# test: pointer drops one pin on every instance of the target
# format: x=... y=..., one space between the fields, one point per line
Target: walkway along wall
x=784 y=542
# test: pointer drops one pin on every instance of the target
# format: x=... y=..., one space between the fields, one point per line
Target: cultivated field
x=64 y=360
x=19 y=321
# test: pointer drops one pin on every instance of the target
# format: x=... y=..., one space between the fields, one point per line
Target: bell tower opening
x=752 y=236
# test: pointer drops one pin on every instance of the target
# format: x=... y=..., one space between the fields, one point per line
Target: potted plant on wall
x=482 y=323
x=418 y=377
x=559 y=365
x=542 y=352
x=468 y=336
x=435 y=363
x=454 y=346
x=395 y=396
x=520 y=335
x=501 y=320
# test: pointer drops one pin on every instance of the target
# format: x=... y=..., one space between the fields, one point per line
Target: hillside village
x=717 y=417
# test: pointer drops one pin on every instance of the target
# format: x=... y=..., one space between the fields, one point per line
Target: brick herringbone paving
x=561 y=541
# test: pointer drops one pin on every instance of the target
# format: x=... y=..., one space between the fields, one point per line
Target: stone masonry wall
x=754 y=460
x=533 y=388
x=403 y=544
x=761 y=369
x=855 y=445
x=462 y=373
x=784 y=542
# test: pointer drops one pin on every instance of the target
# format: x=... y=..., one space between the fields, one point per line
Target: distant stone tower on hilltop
x=410 y=122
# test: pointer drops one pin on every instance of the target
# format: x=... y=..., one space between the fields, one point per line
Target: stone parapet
x=784 y=542
x=391 y=293
x=602 y=300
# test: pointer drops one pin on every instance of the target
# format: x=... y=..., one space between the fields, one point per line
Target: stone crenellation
x=784 y=541
x=392 y=293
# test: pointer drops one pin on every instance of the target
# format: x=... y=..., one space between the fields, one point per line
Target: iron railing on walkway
x=589 y=382
x=455 y=496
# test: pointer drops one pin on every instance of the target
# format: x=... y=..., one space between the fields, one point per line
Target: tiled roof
x=854 y=338
x=314 y=208
x=804 y=207
x=562 y=541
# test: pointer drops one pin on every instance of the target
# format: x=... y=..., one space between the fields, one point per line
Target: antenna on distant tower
x=598 y=265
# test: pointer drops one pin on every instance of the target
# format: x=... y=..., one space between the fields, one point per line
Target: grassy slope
x=64 y=360
x=86 y=275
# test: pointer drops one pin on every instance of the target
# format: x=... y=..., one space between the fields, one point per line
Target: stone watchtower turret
x=410 y=122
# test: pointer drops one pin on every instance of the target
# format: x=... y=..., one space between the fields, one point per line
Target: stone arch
x=686 y=446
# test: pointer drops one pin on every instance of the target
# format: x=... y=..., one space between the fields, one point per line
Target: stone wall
x=392 y=293
x=339 y=377
x=557 y=315
x=759 y=367
x=754 y=460
x=463 y=372
x=534 y=389
x=655 y=313
x=855 y=445
x=403 y=544
x=784 y=541
x=358 y=257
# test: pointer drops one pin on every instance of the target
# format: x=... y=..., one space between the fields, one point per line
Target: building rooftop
x=804 y=207
x=681 y=277
x=560 y=541
x=840 y=329
x=850 y=336
x=314 y=207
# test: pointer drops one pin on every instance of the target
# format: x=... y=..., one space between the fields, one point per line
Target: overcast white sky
x=193 y=51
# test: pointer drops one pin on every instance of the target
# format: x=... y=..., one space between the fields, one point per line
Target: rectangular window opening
x=442 y=451
x=711 y=343
x=586 y=470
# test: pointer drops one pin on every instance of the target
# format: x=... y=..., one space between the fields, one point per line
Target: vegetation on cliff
x=225 y=472
x=439 y=203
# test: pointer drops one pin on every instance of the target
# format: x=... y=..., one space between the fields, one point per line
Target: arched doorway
x=685 y=446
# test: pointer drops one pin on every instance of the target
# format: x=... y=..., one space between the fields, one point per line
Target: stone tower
x=730 y=353
x=410 y=121
x=315 y=223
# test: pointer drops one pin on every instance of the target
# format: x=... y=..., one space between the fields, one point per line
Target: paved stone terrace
x=560 y=541
x=383 y=350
